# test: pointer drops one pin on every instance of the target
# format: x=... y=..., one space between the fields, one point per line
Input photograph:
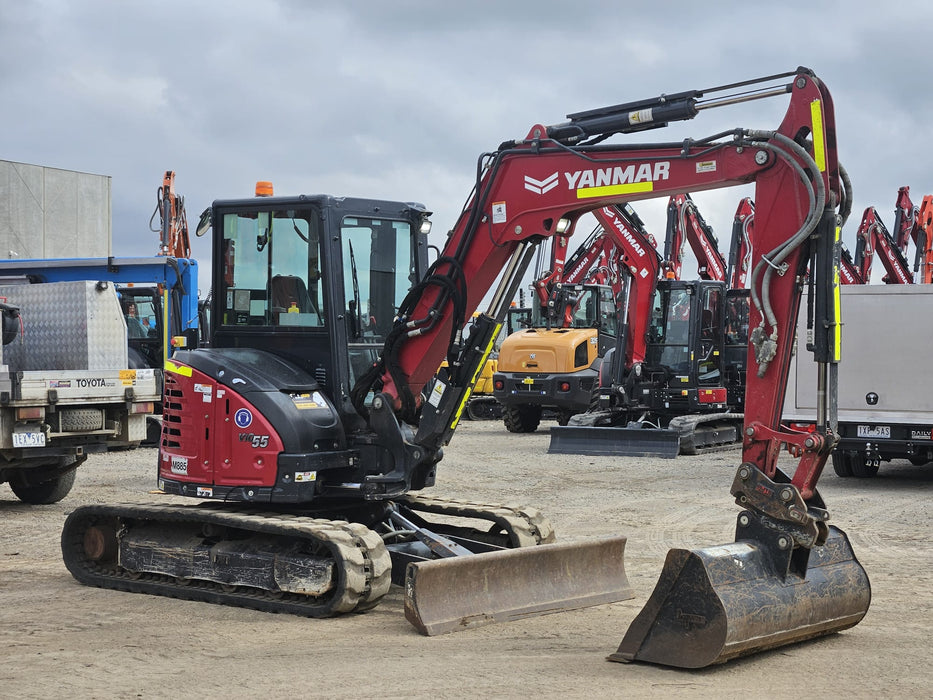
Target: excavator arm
x=637 y=252
x=536 y=188
x=685 y=223
x=740 y=250
x=873 y=237
x=173 y=221
x=905 y=219
x=925 y=239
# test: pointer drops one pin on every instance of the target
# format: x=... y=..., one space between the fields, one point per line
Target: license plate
x=874 y=431
x=28 y=439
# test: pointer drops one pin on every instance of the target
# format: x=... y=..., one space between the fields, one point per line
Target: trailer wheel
x=918 y=460
x=521 y=418
x=46 y=492
x=842 y=465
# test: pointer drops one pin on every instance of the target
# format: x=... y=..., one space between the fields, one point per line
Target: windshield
x=578 y=307
x=669 y=331
x=272 y=270
x=379 y=267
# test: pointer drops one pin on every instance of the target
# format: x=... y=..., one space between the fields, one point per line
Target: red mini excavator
x=318 y=412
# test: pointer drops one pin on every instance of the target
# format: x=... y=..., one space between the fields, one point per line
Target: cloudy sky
x=396 y=99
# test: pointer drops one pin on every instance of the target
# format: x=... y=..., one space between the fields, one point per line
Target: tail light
x=717 y=395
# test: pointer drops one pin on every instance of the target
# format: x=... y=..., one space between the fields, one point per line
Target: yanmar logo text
x=605 y=182
x=624 y=232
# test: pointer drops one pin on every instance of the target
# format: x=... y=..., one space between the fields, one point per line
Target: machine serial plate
x=28 y=439
x=874 y=431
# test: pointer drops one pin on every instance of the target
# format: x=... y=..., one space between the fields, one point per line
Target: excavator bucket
x=713 y=605
x=456 y=593
x=612 y=441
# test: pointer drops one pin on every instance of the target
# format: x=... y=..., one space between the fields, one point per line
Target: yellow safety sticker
x=819 y=139
x=177 y=369
x=612 y=190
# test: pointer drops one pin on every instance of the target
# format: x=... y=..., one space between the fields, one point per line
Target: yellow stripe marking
x=610 y=190
x=837 y=308
x=819 y=138
x=177 y=369
x=479 y=369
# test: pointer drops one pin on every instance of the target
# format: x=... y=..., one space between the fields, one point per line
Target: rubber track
x=692 y=434
x=526 y=526
x=363 y=563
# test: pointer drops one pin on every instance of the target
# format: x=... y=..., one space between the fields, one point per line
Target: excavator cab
x=685 y=340
x=314 y=282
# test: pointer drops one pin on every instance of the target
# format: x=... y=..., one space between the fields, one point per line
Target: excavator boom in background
x=873 y=236
x=686 y=224
x=336 y=412
x=740 y=250
x=173 y=221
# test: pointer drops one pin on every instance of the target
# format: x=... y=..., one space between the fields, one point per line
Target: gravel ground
x=61 y=639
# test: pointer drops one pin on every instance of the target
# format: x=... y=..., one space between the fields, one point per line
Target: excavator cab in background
x=305 y=433
x=677 y=400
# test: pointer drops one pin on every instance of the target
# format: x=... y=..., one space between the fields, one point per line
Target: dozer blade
x=614 y=441
x=713 y=605
x=444 y=595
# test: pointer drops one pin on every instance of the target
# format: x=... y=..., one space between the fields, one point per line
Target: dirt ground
x=61 y=639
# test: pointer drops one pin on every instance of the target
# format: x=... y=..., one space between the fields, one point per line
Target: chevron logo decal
x=541 y=186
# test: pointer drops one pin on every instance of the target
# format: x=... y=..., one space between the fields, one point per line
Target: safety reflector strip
x=837 y=307
x=475 y=378
x=819 y=142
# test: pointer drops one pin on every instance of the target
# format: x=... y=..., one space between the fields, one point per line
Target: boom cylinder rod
x=510 y=281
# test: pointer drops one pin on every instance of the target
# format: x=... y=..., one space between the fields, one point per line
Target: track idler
x=760 y=592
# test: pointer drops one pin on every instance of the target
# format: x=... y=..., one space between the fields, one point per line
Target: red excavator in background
x=740 y=251
x=685 y=223
x=304 y=432
x=905 y=220
x=872 y=236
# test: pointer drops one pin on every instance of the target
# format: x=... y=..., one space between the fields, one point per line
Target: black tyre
x=918 y=460
x=45 y=492
x=521 y=419
x=842 y=465
x=563 y=418
x=862 y=468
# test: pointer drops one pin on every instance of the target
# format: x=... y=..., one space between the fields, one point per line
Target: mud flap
x=445 y=595
x=713 y=605
x=614 y=441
